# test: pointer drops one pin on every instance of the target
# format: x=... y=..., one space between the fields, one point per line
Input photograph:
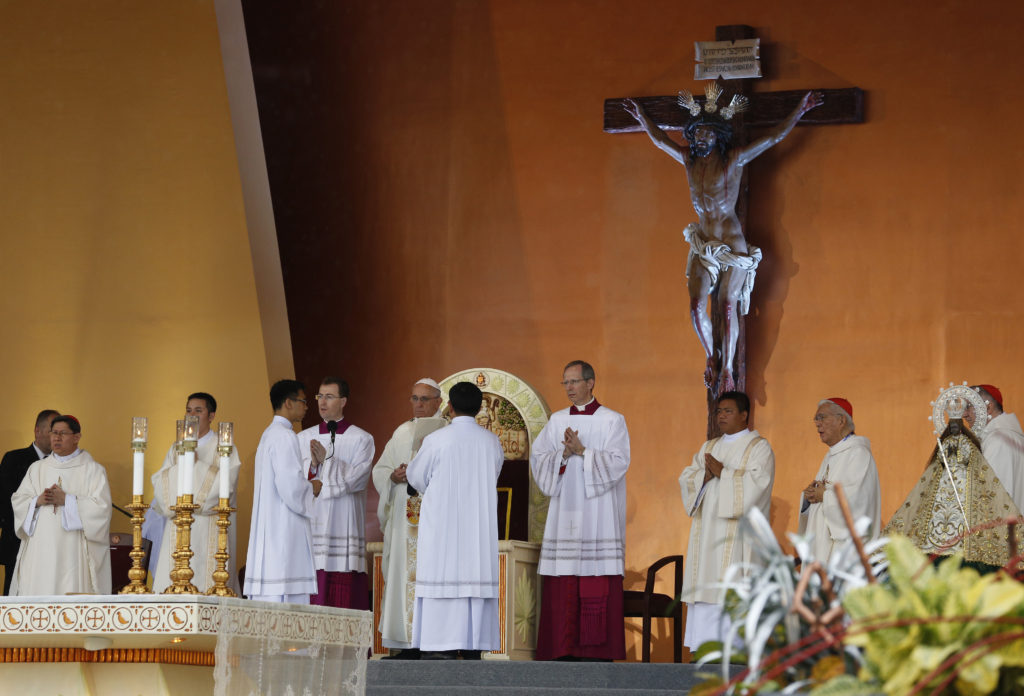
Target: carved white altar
x=155 y=644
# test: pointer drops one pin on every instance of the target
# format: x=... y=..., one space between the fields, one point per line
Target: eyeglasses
x=821 y=417
x=300 y=400
x=326 y=397
x=571 y=382
x=61 y=433
x=422 y=399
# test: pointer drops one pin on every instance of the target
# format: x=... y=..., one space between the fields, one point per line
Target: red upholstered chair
x=649 y=604
x=121 y=562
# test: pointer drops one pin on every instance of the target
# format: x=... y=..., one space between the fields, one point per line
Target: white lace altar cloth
x=259 y=648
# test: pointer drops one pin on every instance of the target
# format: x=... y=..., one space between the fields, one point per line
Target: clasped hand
x=54 y=495
x=572 y=443
x=712 y=467
x=814 y=492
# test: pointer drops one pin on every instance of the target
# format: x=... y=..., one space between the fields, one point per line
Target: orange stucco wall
x=489 y=221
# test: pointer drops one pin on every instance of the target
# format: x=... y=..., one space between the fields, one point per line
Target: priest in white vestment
x=580 y=461
x=729 y=476
x=456 y=471
x=848 y=462
x=280 y=565
x=339 y=454
x=1002 y=444
x=62 y=515
x=400 y=534
x=206 y=494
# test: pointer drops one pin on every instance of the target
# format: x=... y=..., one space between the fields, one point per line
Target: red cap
x=994 y=393
x=843 y=404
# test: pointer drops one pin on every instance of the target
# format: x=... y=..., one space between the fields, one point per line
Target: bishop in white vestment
x=280 y=565
x=400 y=534
x=62 y=516
x=1002 y=444
x=339 y=454
x=580 y=461
x=456 y=471
x=729 y=476
x=849 y=462
x=206 y=494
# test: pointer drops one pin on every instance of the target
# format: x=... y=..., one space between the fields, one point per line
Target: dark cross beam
x=766 y=109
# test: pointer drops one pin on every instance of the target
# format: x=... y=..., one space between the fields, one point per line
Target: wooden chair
x=648 y=604
x=121 y=562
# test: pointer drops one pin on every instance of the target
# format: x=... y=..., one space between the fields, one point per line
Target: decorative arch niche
x=516 y=413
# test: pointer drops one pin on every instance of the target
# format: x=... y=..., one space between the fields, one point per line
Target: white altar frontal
x=142 y=645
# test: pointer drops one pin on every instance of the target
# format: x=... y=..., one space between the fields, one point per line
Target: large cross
x=766 y=109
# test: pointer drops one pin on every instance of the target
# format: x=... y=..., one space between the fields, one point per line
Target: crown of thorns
x=738 y=104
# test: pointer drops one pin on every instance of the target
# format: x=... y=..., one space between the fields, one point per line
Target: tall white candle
x=180 y=461
x=190 y=461
x=225 y=490
x=138 y=471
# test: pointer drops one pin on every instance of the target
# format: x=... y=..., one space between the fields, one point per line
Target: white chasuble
x=206 y=494
x=280 y=559
x=64 y=549
x=339 y=512
x=1002 y=443
x=456 y=472
x=585 y=531
x=400 y=535
x=848 y=462
x=716 y=508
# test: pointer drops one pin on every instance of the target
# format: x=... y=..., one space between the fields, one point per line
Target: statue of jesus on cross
x=719 y=253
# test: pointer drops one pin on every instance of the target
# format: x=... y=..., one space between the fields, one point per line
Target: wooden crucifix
x=721 y=264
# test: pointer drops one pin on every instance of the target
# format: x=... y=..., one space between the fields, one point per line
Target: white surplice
x=585 y=532
x=65 y=549
x=399 y=557
x=1002 y=443
x=339 y=512
x=850 y=463
x=280 y=560
x=206 y=494
x=456 y=471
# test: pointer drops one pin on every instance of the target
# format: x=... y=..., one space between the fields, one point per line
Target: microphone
x=332 y=426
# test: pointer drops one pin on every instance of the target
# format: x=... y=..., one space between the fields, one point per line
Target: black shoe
x=469 y=654
x=406 y=654
x=440 y=655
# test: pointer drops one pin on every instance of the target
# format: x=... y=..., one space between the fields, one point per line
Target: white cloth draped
x=456 y=471
x=1003 y=446
x=716 y=542
x=851 y=463
x=206 y=494
x=68 y=550
x=280 y=559
x=585 y=532
x=339 y=512
x=399 y=557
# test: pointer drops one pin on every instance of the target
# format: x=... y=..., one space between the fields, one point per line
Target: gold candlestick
x=221 y=576
x=137 y=574
x=181 y=574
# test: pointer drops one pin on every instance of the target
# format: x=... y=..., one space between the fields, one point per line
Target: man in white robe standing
x=400 y=534
x=62 y=515
x=280 y=565
x=729 y=476
x=580 y=460
x=456 y=471
x=849 y=462
x=1002 y=444
x=339 y=454
x=206 y=494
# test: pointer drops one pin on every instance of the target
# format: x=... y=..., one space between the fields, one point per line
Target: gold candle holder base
x=181 y=574
x=221 y=576
x=137 y=574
